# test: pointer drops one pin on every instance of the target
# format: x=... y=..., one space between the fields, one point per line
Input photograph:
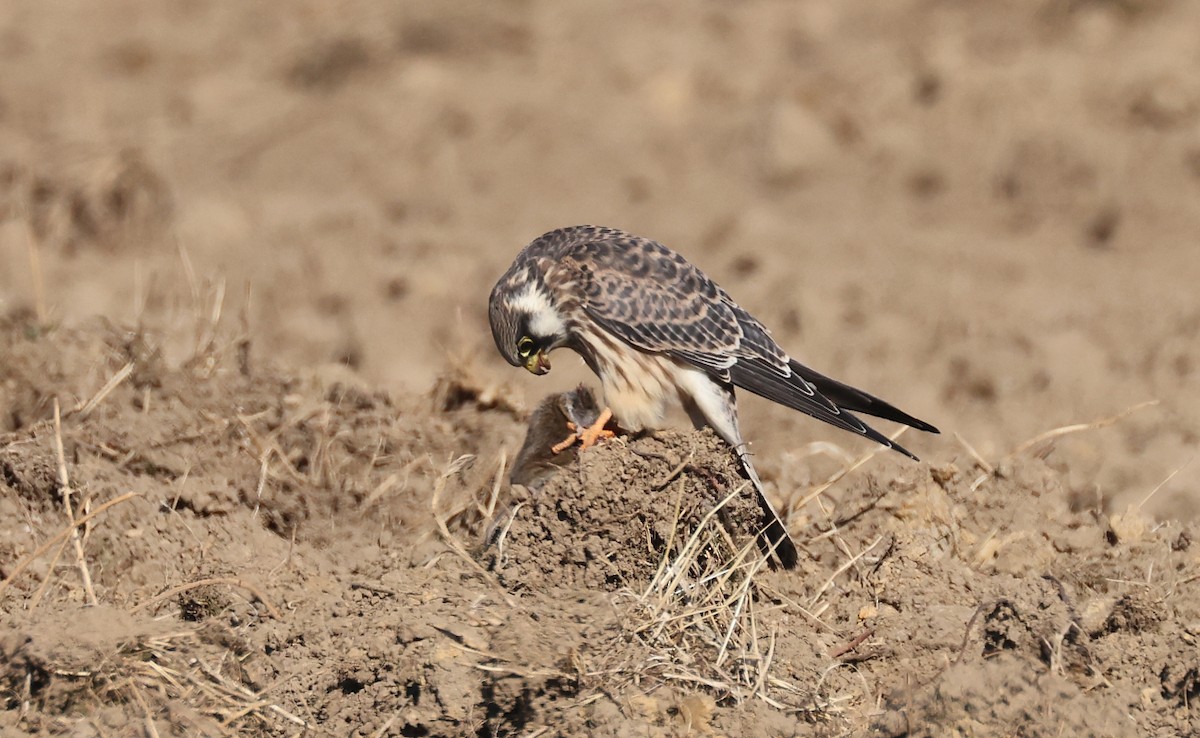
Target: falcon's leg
x=567 y=442
x=709 y=402
x=588 y=436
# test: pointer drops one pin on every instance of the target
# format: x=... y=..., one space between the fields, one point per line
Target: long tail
x=823 y=398
x=773 y=538
x=855 y=400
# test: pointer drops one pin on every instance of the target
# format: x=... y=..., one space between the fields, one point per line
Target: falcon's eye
x=525 y=347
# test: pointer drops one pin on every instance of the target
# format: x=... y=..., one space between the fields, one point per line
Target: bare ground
x=291 y=438
x=307 y=556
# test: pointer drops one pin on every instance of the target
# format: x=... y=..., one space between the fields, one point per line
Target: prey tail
x=773 y=537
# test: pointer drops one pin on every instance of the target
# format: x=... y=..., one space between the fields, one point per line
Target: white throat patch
x=544 y=320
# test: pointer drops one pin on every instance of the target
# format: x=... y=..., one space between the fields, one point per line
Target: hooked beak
x=538 y=364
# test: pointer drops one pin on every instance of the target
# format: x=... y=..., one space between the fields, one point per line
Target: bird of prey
x=654 y=329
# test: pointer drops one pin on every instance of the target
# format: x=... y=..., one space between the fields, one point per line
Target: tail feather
x=800 y=393
x=773 y=537
x=855 y=400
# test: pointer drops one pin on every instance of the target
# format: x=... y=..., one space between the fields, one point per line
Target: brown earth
x=289 y=216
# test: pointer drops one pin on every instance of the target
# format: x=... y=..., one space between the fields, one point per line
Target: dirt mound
x=607 y=521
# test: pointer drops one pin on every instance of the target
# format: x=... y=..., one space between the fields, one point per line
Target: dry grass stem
x=978 y=457
x=665 y=589
x=698 y=614
x=206 y=582
x=454 y=467
x=61 y=536
x=439 y=486
x=392 y=482
x=842 y=569
x=664 y=560
x=848 y=647
x=151 y=730
x=1164 y=482
x=35 y=273
x=503 y=535
x=670 y=476
x=764 y=668
x=834 y=451
x=820 y=489
x=64 y=483
x=263 y=470
x=45 y=585
x=86 y=408
x=1069 y=429
x=1053 y=434
x=488 y=510
x=387 y=724
x=152 y=672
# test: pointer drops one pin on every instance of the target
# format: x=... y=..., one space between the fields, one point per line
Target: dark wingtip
x=921 y=425
x=900 y=449
x=856 y=400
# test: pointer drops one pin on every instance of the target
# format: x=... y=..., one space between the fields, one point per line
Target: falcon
x=655 y=329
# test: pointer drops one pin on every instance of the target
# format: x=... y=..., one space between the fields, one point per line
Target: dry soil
x=246 y=248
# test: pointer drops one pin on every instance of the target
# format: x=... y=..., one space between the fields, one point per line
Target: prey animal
x=655 y=329
x=544 y=453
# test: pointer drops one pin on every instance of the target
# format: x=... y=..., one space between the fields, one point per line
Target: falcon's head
x=525 y=322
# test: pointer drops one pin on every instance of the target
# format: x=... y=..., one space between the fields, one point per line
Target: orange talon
x=567 y=442
x=588 y=436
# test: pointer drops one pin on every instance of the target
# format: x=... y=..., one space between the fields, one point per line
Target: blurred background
x=987 y=213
